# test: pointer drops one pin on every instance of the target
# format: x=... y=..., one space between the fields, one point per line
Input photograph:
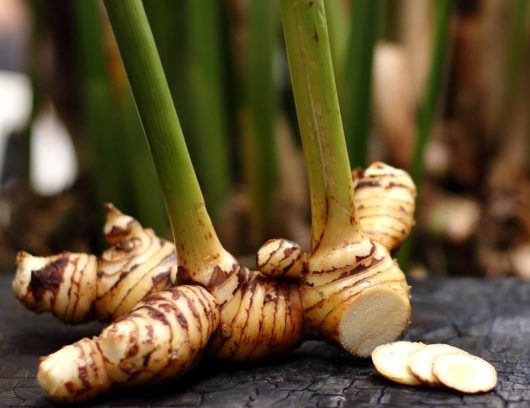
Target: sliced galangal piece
x=391 y=361
x=421 y=361
x=465 y=373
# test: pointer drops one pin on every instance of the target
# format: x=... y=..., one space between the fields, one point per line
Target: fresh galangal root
x=80 y=287
x=352 y=294
x=161 y=338
x=384 y=203
x=281 y=258
x=355 y=296
x=434 y=365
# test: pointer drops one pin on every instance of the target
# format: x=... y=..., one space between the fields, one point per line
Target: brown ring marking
x=249 y=310
x=357 y=282
x=138 y=281
x=352 y=295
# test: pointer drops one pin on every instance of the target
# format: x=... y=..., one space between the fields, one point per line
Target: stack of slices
x=436 y=365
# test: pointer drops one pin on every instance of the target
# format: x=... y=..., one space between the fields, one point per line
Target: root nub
x=281 y=258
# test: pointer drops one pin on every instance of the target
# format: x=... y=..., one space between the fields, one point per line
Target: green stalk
x=428 y=108
x=192 y=228
x=317 y=105
x=357 y=78
x=209 y=144
x=99 y=116
x=262 y=99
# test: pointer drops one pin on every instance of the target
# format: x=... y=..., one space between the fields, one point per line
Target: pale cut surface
x=420 y=362
x=390 y=360
x=465 y=373
x=379 y=316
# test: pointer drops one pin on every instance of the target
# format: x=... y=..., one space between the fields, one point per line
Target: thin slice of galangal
x=391 y=361
x=465 y=373
x=420 y=362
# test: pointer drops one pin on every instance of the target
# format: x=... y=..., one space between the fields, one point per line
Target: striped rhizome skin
x=281 y=258
x=261 y=319
x=79 y=287
x=161 y=338
x=384 y=203
x=260 y=313
x=359 y=303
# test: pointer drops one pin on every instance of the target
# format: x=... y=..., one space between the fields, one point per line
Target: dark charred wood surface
x=490 y=318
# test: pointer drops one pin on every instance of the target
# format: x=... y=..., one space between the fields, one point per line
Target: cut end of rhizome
x=379 y=316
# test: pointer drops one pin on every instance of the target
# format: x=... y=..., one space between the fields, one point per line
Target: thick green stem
x=209 y=144
x=192 y=228
x=357 y=78
x=317 y=106
x=261 y=100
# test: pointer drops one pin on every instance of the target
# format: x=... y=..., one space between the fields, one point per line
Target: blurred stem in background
x=33 y=70
x=99 y=114
x=357 y=78
x=124 y=172
x=209 y=141
x=428 y=108
x=338 y=22
x=145 y=189
x=260 y=161
x=514 y=58
x=429 y=104
x=388 y=20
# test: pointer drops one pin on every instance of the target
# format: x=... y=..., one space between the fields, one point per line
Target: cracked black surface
x=490 y=318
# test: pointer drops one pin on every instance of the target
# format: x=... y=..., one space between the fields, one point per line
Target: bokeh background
x=438 y=87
